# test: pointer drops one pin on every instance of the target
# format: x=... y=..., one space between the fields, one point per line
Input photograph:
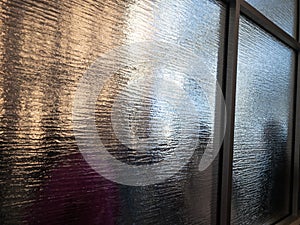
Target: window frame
x=234 y=9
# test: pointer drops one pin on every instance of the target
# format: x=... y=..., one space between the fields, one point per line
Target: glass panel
x=151 y=67
x=282 y=12
x=262 y=148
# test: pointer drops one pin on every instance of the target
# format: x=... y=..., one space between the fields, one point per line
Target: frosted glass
x=281 y=12
x=145 y=111
x=262 y=150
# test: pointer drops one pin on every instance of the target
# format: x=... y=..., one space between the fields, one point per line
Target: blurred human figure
x=275 y=190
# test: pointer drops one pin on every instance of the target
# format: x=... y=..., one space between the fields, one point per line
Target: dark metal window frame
x=236 y=8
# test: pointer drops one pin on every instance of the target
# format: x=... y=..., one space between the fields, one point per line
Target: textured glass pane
x=151 y=67
x=281 y=12
x=261 y=168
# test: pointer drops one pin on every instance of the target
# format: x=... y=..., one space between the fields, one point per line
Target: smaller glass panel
x=281 y=12
x=262 y=148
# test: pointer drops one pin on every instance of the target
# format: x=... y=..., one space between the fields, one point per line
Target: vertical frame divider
x=295 y=194
x=296 y=143
x=230 y=91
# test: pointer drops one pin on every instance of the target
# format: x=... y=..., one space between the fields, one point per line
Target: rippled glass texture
x=262 y=148
x=282 y=12
x=152 y=108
